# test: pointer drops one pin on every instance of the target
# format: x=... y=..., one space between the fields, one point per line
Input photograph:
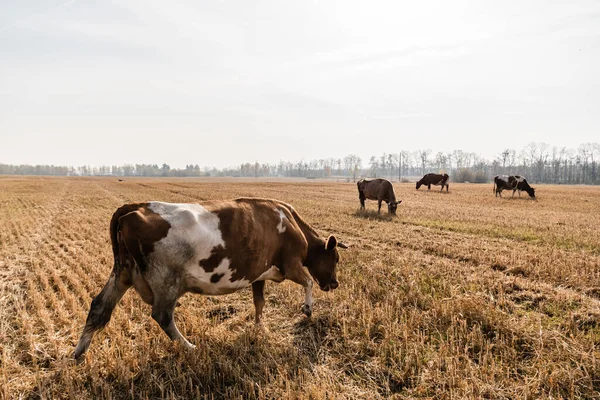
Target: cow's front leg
x=296 y=273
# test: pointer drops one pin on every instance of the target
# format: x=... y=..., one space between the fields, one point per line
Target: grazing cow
x=165 y=250
x=514 y=183
x=380 y=190
x=434 y=179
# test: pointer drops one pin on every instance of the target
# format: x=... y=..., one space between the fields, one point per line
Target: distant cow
x=380 y=190
x=165 y=250
x=514 y=183
x=434 y=179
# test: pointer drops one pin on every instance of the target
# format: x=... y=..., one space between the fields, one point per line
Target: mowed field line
x=31 y=224
x=439 y=302
x=575 y=269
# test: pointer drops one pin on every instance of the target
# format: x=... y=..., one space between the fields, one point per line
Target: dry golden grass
x=463 y=295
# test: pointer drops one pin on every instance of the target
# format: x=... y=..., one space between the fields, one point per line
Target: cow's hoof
x=307 y=310
x=79 y=360
x=260 y=327
x=187 y=345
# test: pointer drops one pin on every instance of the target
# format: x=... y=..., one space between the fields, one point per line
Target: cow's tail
x=114 y=232
x=494 y=186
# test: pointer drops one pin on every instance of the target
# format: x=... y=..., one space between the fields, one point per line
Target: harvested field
x=461 y=295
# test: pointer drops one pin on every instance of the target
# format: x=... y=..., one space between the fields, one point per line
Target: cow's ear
x=331 y=243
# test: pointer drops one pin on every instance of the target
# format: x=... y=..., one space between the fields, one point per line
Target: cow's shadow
x=312 y=336
x=516 y=198
x=374 y=215
x=220 y=367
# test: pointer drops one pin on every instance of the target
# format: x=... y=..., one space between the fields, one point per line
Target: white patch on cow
x=503 y=178
x=308 y=300
x=201 y=279
x=194 y=233
x=519 y=179
x=280 y=226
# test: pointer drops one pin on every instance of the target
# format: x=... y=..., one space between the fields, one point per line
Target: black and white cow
x=514 y=183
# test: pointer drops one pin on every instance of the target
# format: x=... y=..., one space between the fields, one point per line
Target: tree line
x=538 y=162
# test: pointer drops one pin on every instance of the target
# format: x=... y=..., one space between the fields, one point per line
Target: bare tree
x=504 y=157
x=459 y=158
x=424 y=159
x=373 y=164
x=392 y=163
x=441 y=162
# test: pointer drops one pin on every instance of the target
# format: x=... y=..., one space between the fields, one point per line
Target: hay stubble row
x=461 y=295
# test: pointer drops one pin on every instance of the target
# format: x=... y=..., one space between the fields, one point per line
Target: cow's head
x=531 y=192
x=392 y=206
x=419 y=185
x=322 y=260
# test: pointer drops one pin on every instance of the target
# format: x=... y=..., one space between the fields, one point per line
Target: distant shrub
x=404 y=180
x=480 y=177
x=463 y=175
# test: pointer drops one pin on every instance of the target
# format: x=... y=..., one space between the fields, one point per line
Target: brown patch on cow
x=248 y=224
x=217 y=254
x=137 y=229
x=216 y=278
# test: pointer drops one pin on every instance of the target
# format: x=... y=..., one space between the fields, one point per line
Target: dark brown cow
x=165 y=250
x=380 y=190
x=434 y=179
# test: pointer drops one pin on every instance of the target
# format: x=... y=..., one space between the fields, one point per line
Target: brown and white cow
x=514 y=183
x=165 y=250
x=380 y=190
x=434 y=179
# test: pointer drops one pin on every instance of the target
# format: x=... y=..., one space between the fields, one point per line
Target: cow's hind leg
x=162 y=312
x=361 y=197
x=258 y=295
x=101 y=310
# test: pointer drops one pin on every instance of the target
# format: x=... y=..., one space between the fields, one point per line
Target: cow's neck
x=312 y=237
x=392 y=198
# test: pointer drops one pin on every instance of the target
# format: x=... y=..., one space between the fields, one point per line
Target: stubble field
x=462 y=295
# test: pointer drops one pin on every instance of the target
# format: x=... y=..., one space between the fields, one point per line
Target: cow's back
x=377 y=189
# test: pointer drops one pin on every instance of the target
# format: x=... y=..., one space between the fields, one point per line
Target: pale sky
x=223 y=82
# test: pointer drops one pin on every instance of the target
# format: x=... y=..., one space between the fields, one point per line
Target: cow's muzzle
x=330 y=286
